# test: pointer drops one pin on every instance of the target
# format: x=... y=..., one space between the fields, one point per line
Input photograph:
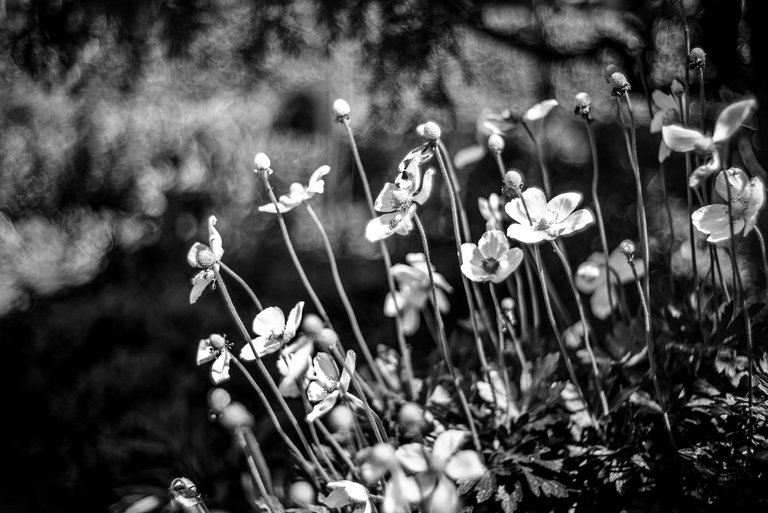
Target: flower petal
x=703 y=172
x=323 y=407
x=737 y=179
x=385 y=201
x=465 y=465
x=540 y=110
x=536 y=201
x=590 y=274
x=199 y=283
x=220 y=368
x=445 y=498
x=411 y=320
x=525 y=233
x=508 y=264
x=731 y=118
x=469 y=155
x=205 y=352
x=756 y=202
x=382 y=227
x=413 y=457
x=316 y=392
x=576 y=221
x=324 y=367
x=710 y=218
x=516 y=210
x=192 y=253
x=214 y=238
x=316 y=183
x=564 y=204
x=426 y=187
x=664 y=151
x=601 y=307
x=294 y=319
x=349 y=362
x=267 y=320
x=448 y=442
x=679 y=138
x=493 y=244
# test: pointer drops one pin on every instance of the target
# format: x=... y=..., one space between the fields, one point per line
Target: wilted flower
x=686 y=139
x=548 y=220
x=398 y=201
x=326 y=385
x=215 y=348
x=490 y=259
x=207 y=258
x=592 y=278
x=747 y=198
x=299 y=193
x=414 y=291
x=348 y=493
x=272 y=331
x=491 y=210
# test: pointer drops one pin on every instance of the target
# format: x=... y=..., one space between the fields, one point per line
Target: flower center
x=395 y=221
x=329 y=385
x=401 y=198
x=545 y=221
x=206 y=258
x=739 y=204
x=490 y=265
x=277 y=334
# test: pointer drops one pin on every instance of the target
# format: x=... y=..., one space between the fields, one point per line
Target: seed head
x=262 y=162
x=217 y=341
x=697 y=58
x=431 y=131
x=341 y=109
x=677 y=88
x=619 y=83
x=496 y=143
x=583 y=105
x=627 y=247
x=513 y=183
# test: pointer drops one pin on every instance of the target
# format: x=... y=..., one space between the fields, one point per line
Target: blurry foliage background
x=123 y=125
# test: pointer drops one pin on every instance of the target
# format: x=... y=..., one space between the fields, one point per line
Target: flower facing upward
x=207 y=258
x=490 y=259
x=592 y=278
x=414 y=292
x=548 y=220
x=398 y=200
x=215 y=348
x=299 y=193
x=272 y=331
x=747 y=198
x=326 y=385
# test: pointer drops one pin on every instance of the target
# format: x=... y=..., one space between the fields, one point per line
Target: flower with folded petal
x=490 y=259
x=686 y=139
x=348 y=493
x=272 y=331
x=326 y=385
x=414 y=291
x=398 y=201
x=214 y=348
x=206 y=258
x=492 y=211
x=747 y=198
x=548 y=220
x=444 y=464
x=299 y=193
x=592 y=278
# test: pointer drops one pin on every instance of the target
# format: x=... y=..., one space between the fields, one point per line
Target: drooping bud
x=513 y=183
x=583 y=105
x=341 y=109
x=697 y=58
x=235 y=416
x=262 y=162
x=619 y=83
x=312 y=325
x=677 y=88
x=432 y=132
x=218 y=399
x=496 y=143
x=328 y=339
x=627 y=248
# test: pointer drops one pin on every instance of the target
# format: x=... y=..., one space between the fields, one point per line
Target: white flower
x=549 y=220
x=215 y=348
x=592 y=278
x=747 y=198
x=326 y=385
x=492 y=211
x=272 y=331
x=490 y=259
x=207 y=258
x=348 y=493
x=299 y=193
x=293 y=364
x=539 y=111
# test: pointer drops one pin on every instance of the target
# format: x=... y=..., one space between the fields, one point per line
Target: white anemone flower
x=272 y=330
x=592 y=278
x=206 y=258
x=348 y=493
x=214 y=348
x=548 y=220
x=490 y=259
x=299 y=193
x=326 y=385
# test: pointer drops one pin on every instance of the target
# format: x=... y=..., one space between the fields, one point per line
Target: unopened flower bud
x=341 y=109
x=432 y=131
x=496 y=143
x=697 y=58
x=302 y=494
x=619 y=83
x=677 y=88
x=262 y=162
x=583 y=105
x=327 y=338
x=513 y=183
x=312 y=325
x=218 y=399
x=410 y=414
x=235 y=416
x=627 y=247
x=507 y=304
x=341 y=418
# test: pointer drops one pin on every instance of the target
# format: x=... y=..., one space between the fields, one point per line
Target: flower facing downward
x=272 y=331
x=214 y=348
x=348 y=493
x=398 y=201
x=592 y=278
x=326 y=385
x=548 y=220
x=299 y=193
x=207 y=258
x=490 y=259
x=747 y=198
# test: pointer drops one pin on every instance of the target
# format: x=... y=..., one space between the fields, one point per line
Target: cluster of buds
x=619 y=83
x=697 y=59
x=583 y=106
x=513 y=183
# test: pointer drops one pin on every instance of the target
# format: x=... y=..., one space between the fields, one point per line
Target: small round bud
x=627 y=247
x=496 y=143
x=514 y=180
x=410 y=414
x=327 y=338
x=507 y=304
x=697 y=58
x=262 y=162
x=677 y=88
x=583 y=100
x=431 y=131
x=341 y=418
x=341 y=108
x=312 y=325
x=619 y=83
x=218 y=399
x=302 y=494
x=235 y=416
x=217 y=341
x=574 y=336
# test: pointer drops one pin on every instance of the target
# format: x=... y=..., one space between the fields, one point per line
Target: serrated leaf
x=509 y=502
x=485 y=487
x=534 y=481
x=465 y=484
x=552 y=488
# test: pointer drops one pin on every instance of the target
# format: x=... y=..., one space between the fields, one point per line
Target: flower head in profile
x=299 y=193
x=214 y=348
x=747 y=198
x=326 y=385
x=272 y=331
x=348 y=493
x=548 y=220
x=414 y=292
x=398 y=201
x=492 y=211
x=490 y=259
x=687 y=139
x=293 y=365
x=592 y=278
x=206 y=258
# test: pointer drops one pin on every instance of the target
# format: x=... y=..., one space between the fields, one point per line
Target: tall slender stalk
x=442 y=338
x=243 y=284
x=672 y=240
x=542 y=164
x=249 y=458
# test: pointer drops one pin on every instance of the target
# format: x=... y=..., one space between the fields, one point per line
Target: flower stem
x=249 y=458
x=764 y=259
x=544 y=171
x=313 y=433
x=687 y=37
x=672 y=240
x=294 y=257
x=243 y=284
x=585 y=327
x=649 y=344
x=345 y=299
x=405 y=353
x=442 y=337
x=336 y=447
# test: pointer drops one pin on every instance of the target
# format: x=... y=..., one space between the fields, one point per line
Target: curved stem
x=243 y=284
x=441 y=335
x=764 y=259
